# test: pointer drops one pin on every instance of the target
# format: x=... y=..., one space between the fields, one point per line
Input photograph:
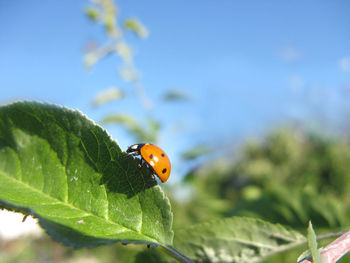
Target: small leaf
x=110 y=24
x=176 y=95
x=136 y=26
x=92 y=13
x=90 y=59
x=124 y=51
x=312 y=241
x=195 y=152
x=142 y=133
x=236 y=239
x=107 y=95
x=129 y=122
x=65 y=170
x=128 y=75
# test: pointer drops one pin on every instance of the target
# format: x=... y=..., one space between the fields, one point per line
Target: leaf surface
x=312 y=241
x=236 y=239
x=136 y=26
x=61 y=167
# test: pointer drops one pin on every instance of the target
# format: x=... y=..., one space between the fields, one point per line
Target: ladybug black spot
x=151 y=156
x=164 y=171
x=163 y=155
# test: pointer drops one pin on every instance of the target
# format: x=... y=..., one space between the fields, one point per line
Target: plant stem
x=173 y=252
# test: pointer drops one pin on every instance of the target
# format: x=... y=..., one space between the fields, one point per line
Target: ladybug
x=155 y=157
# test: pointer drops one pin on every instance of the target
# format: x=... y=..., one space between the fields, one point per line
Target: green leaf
x=312 y=241
x=90 y=59
x=128 y=74
x=92 y=13
x=123 y=51
x=236 y=239
x=142 y=133
x=107 y=95
x=136 y=26
x=176 y=95
x=110 y=24
x=61 y=167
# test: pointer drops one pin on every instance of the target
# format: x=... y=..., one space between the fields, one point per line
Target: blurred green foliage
x=134 y=25
x=106 y=14
x=44 y=249
x=107 y=95
x=289 y=177
x=147 y=132
x=176 y=95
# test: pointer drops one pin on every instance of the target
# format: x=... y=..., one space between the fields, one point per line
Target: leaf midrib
x=70 y=205
x=256 y=244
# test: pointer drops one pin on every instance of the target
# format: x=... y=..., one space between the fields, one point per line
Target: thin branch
x=173 y=252
x=335 y=250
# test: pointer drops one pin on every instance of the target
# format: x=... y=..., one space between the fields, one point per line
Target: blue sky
x=248 y=65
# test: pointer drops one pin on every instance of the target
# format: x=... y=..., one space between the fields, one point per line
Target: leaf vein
x=73 y=207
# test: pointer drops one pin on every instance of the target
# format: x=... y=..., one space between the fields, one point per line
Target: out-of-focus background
x=250 y=99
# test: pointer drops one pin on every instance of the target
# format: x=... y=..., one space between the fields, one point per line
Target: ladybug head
x=135 y=147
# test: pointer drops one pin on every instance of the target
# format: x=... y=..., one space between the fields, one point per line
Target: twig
x=176 y=254
x=335 y=250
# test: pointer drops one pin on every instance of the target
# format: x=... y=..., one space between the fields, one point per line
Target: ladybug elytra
x=155 y=157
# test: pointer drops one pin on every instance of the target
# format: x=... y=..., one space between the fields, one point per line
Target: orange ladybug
x=155 y=157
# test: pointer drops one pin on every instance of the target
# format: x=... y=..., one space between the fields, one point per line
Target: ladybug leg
x=136 y=153
x=140 y=163
x=152 y=172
